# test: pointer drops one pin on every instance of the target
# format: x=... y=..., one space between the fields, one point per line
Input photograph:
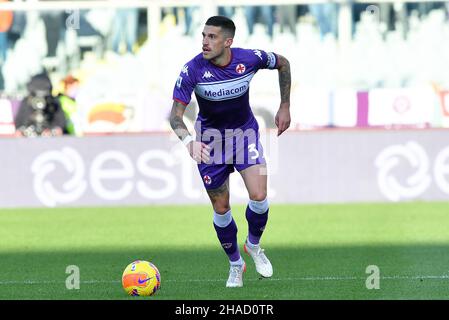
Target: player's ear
x=229 y=42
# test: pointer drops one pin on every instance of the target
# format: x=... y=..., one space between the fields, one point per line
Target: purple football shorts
x=238 y=150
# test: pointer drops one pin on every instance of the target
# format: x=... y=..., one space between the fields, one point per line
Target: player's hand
x=282 y=118
x=199 y=151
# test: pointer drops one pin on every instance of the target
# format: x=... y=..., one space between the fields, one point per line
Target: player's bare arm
x=282 y=119
x=199 y=151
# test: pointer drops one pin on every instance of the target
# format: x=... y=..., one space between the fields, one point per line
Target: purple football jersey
x=222 y=92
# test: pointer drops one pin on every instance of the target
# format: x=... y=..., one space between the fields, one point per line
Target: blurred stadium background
x=355 y=64
x=370 y=112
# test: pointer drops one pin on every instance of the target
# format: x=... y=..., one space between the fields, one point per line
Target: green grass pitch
x=317 y=251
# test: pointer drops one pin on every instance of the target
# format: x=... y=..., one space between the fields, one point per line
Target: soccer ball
x=141 y=278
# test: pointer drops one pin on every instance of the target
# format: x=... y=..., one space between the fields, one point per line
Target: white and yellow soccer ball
x=141 y=278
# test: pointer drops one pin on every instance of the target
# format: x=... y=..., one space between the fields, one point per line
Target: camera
x=38 y=100
x=42 y=108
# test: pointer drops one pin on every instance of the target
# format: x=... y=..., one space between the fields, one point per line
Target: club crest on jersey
x=207 y=180
x=240 y=68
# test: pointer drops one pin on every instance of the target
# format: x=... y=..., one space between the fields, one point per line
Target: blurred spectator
x=326 y=16
x=387 y=15
x=287 y=17
x=423 y=8
x=254 y=13
x=6 y=19
x=67 y=99
x=54 y=29
x=188 y=11
x=226 y=11
x=357 y=10
x=94 y=28
x=125 y=26
x=17 y=28
x=40 y=114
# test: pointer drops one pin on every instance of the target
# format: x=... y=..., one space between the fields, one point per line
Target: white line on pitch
x=310 y=278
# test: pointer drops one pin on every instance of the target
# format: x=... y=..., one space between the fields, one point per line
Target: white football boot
x=263 y=265
x=236 y=276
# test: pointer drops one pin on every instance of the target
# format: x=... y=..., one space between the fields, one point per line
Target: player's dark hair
x=226 y=24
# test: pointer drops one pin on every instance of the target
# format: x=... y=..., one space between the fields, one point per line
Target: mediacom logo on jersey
x=226 y=93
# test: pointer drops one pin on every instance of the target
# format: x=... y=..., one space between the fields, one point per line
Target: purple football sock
x=228 y=240
x=256 y=224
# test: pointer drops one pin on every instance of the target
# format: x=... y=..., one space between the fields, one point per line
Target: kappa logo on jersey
x=185 y=70
x=258 y=53
x=240 y=68
x=208 y=75
x=207 y=180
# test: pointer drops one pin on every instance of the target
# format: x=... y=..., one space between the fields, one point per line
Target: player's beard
x=213 y=57
x=210 y=55
x=214 y=52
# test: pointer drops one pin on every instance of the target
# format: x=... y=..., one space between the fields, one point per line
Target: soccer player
x=220 y=77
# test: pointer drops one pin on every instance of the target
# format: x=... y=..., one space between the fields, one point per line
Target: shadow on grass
x=406 y=272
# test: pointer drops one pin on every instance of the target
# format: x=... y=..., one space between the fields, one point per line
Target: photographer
x=40 y=113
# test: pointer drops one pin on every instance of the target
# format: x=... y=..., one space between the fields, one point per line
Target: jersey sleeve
x=265 y=60
x=185 y=84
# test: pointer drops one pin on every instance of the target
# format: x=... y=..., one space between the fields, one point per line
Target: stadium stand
x=396 y=54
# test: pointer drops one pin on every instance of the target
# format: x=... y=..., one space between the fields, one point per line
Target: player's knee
x=260 y=195
x=221 y=207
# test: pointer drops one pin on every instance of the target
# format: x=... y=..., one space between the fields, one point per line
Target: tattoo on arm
x=176 y=121
x=285 y=78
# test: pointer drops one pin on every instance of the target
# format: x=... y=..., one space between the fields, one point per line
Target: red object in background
x=6 y=18
x=444 y=98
